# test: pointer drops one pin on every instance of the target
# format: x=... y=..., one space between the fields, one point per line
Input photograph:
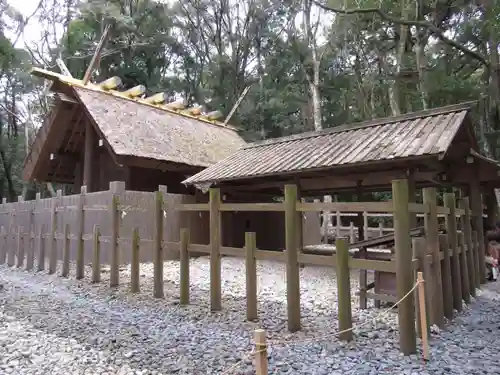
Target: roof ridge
x=73 y=82
x=367 y=124
x=155 y=106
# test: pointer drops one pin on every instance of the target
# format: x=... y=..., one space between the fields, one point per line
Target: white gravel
x=51 y=325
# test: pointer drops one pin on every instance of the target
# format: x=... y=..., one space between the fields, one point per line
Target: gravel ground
x=51 y=325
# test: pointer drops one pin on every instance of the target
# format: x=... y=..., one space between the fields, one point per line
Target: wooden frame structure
x=433 y=148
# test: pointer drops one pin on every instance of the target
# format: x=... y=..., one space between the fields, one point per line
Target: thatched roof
x=135 y=129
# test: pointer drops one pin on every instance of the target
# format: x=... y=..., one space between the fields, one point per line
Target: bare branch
x=434 y=30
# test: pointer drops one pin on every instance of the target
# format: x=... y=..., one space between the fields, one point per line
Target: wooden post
x=344 y=289
x=300 y=223
x=184 y=272
x=431 y=226
x=362 y=235
x=327 y=219
x=53 y=228
x=292 y=266
x=446 y=277
x=117 y=188
x=469 y=255
x=251 y=275
x=352 y=235
x=158 y=246
x=477 y=211
x=338 y=222
x=380 y=228
x=404 y=268
x=96 y=255
x=261 y=365
x=215 y=242
x=420 y=251
x=41 y=248
x=475 y=258
x=3 y=248
x=135 y=264
x=423 y=317
x=363 y=284
x=451 y=230
x=365 y=226
x=464 y=271
x=20 y=248
x=80 y=245
x=66 y=249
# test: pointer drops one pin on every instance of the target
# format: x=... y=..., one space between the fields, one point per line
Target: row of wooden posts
x=452 y=282
x=461 y=271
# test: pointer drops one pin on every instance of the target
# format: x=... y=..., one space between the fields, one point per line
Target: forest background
x=309 y=64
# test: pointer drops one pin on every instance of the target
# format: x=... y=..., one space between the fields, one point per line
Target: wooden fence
x=334 y=224
x=451 y=263
x=117 y=212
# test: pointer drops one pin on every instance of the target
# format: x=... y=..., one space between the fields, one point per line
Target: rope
x=323 y=337
x=236 y=365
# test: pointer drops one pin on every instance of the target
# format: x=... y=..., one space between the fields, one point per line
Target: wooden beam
x=90 y=134
x=97 y=55
x=62 y=66
x=331 y=182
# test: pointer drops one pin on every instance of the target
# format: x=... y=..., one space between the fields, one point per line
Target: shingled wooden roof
x=412 y=135
x=436 y=147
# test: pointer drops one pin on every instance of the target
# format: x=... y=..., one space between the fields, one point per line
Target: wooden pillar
x=326 y=219
x=96 y=255
x=420 y=253
x=89 y=157
x=300 y=223
x=477 y=212
x=117 y=189
x=470 y=246
x=475 y=258
x=215 y=244
x=158 y=291
x=451 y=230
x=80 y=227
x=362 y=251
x=292 y=266
x=344 y=289
x=135 y=263
x=464 y=269
x=404 y=268
x=432 y=240
x=446 y=277
x=251 y=275
x=412 y=197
